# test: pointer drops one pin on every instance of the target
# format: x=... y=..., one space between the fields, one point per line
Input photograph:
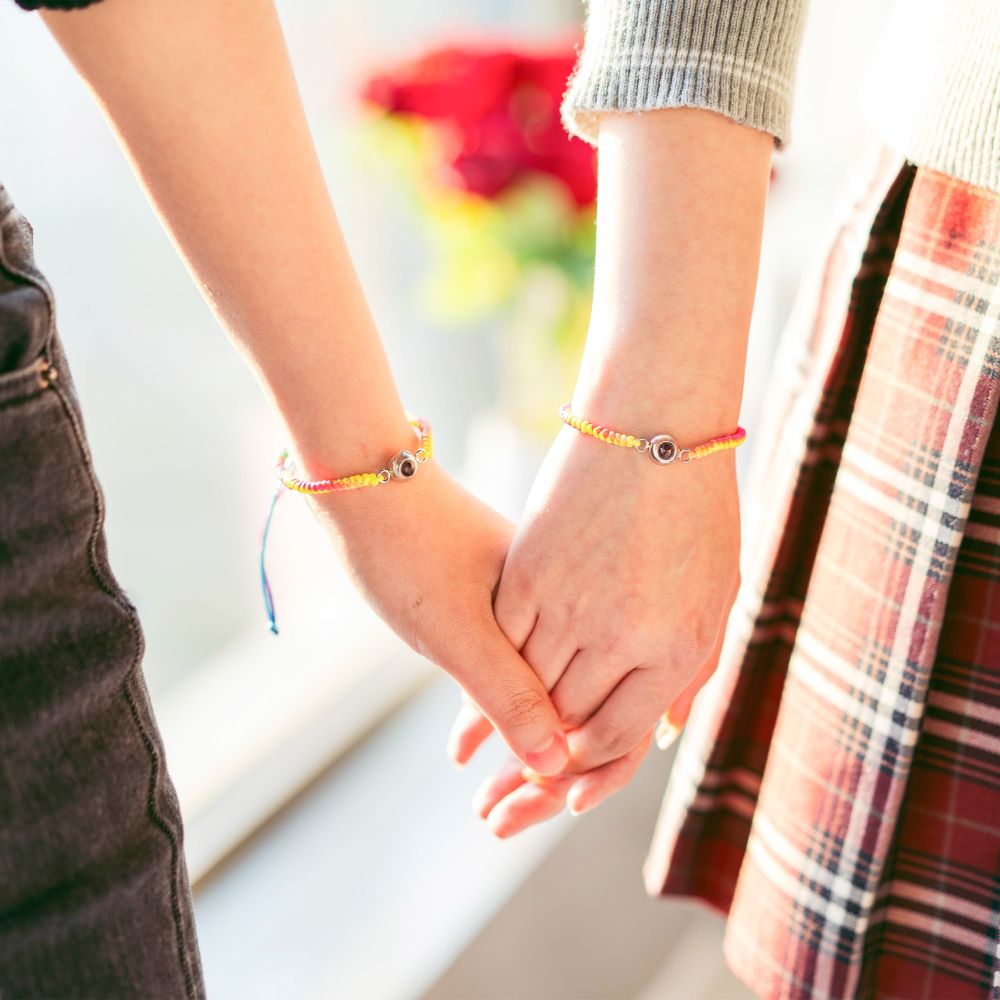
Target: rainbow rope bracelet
x=403 y=465
x=662 y=448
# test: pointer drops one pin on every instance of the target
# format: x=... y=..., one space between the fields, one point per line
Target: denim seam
x=122 y=601
x=156 y=766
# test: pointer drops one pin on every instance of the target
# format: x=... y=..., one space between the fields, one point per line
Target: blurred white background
x=370 y=877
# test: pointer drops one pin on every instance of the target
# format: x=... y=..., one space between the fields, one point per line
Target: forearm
x=680 y=214
x=204 y=101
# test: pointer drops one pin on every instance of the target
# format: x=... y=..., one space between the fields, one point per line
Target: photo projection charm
x=662 y=449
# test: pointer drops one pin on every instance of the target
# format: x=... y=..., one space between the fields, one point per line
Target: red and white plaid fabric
x=837 y=791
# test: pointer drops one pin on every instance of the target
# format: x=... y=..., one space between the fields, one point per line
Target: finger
x=629 y=713
x=528 y=805
x=675 y=718
x=498 y=786
x=515 y=612
x=586 y=684
x=469 y=732
x=512 y=697
x=595 y=786
x=548 y=650
x=509 y=778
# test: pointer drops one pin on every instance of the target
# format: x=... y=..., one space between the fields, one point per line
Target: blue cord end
x=272 y=623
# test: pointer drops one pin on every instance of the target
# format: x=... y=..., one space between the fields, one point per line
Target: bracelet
x=402 y=465
x=662 y=448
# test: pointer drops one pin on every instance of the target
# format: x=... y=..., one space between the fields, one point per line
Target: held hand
x=427 y=555
x=616 y=590
x=515 y=797
x=620 y=580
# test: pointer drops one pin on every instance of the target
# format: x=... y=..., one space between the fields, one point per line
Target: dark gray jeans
x=94 y=894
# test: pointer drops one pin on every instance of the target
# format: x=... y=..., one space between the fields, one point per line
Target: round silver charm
x=662 y=449
x=404 y=465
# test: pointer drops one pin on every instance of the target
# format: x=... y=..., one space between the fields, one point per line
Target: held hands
x=571 y=637
x=615 y=590
x=621 y=577
x=427 y=557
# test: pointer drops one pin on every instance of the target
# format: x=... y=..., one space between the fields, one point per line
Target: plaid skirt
x=837 y=789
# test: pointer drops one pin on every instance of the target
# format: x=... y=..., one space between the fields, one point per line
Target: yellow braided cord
x=598 y=431
x=623 y=440
x=284 y=468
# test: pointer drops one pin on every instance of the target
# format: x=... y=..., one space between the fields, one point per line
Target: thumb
x=674 y=719
x=510 y=695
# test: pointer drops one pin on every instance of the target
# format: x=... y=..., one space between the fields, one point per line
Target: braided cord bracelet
x=662 y=448
x=402 y=465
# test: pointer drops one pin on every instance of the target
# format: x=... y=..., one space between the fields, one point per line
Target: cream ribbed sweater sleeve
x=736 y=57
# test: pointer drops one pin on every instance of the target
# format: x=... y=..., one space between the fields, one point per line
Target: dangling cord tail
x=403 y=465
x=272 y=622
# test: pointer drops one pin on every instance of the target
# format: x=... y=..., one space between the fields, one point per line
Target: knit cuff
x=736 y=57
x=54 y=4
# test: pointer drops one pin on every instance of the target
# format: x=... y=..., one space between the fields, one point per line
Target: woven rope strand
x=625 y=440
x=359 y=480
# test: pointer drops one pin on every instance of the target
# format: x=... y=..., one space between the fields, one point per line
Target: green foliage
x=525 y=258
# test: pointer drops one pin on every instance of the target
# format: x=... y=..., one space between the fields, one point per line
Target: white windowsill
x=256 y=723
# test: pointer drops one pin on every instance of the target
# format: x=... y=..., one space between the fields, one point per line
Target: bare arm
x=680 y=218
x=203 y=99
x=619 y=582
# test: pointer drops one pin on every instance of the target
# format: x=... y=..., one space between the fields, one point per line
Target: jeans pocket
x=26 y=304
x=26 y=381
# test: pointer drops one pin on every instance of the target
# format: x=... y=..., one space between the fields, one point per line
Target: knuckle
x=573 y=718
x=664 y=681
x=512 y=596
x=516 y=584
x=622 y=643
x=696 y=643
x=508 y=619
x=522 y=708
x=613 y=737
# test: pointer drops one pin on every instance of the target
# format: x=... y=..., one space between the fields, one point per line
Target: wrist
x=691 y=405
x=330 y=450
x=645 y=374
x=395 y=501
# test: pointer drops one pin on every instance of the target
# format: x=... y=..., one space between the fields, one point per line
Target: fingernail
x=666 y=733
x=576 y=800
x=549 y=761
x=482 y=802
x=498 y=829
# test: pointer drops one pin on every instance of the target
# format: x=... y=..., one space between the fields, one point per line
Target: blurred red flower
x=497 y=111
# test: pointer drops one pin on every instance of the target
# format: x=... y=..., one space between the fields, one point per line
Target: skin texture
x=203 y=100
x=622 y=574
